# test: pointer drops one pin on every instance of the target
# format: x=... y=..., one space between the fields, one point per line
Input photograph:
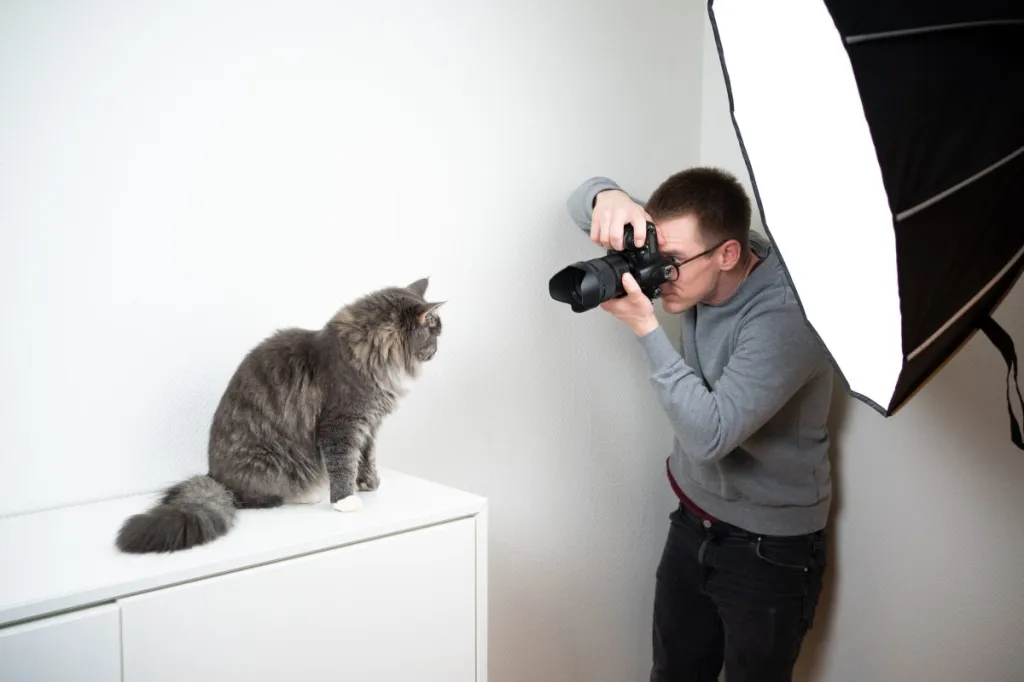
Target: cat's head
x=419 y=319
x=391 y=329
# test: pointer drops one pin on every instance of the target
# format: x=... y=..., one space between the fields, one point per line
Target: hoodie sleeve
x=775 y=356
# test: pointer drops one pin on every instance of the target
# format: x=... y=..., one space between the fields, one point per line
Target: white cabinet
x=396 y=592
x=398 y=609
x=83 y=646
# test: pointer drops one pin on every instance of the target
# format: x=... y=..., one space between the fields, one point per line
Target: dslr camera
x=586 y=284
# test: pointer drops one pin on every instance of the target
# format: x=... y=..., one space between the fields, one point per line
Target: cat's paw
x=348 y=504
x=368 y=483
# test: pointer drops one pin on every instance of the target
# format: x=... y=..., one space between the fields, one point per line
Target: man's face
x=698 y=278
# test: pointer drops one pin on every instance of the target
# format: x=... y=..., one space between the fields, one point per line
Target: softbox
x=885 y=144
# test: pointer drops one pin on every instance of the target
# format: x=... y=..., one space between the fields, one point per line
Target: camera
x=586 y=284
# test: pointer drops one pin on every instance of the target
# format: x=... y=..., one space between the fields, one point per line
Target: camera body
x=586 y=284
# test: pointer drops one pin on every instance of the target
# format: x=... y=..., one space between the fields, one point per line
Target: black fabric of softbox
x=885 y=143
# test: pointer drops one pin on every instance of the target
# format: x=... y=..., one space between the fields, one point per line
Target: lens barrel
x=586 y=284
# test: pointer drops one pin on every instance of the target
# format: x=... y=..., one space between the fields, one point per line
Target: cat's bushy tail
x=190 y=513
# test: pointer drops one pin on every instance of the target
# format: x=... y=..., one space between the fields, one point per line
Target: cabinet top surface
x=65 y=558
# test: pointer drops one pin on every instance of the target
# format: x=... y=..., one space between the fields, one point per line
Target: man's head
x=703 y=220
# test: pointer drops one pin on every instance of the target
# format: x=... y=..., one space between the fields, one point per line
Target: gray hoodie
x=748 y=400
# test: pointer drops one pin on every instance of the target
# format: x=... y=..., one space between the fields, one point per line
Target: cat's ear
x=426 y=309
x=419 y=287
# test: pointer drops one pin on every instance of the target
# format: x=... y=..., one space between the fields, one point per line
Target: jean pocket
x=793 y=555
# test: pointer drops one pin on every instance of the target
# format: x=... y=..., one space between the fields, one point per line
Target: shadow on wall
x=813 y=652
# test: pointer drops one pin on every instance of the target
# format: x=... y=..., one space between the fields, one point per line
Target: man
x=740 y=574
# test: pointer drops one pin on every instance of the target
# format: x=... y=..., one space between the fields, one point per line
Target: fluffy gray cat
x=302 y=409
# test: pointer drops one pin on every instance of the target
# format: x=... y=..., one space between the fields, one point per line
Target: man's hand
x=612 y=210
x=634 y=309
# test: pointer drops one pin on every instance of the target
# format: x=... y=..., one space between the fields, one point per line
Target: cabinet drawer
x=84 y=646
x=393 y=609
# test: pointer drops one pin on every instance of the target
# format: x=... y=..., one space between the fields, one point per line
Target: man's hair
x=713 y=196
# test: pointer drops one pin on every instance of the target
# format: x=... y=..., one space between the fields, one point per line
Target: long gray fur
x=303 y=408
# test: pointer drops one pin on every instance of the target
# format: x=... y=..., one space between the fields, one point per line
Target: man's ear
x=428 y=308
x=730 y=254
x=419 y=287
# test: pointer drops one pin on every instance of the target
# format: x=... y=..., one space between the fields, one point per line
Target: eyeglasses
x=680 y=263
x=676 y=263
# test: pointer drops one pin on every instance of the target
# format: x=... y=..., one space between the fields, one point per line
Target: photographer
x=741 y=571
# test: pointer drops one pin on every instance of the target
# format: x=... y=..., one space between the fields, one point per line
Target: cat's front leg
x=368 y=478
x=340 y=442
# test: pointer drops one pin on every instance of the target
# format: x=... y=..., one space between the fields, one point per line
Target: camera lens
x=587 y=284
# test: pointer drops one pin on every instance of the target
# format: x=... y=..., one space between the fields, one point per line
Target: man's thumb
x=629 y=284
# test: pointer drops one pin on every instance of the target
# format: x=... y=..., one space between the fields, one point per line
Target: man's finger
x=608 y=229
x=639 y=220
x=615 y=230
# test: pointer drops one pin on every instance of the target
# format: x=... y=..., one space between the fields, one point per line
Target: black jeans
x=728 y=597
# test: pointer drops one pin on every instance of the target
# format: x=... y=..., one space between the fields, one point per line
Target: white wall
x=927 y=552
x=178 y=180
